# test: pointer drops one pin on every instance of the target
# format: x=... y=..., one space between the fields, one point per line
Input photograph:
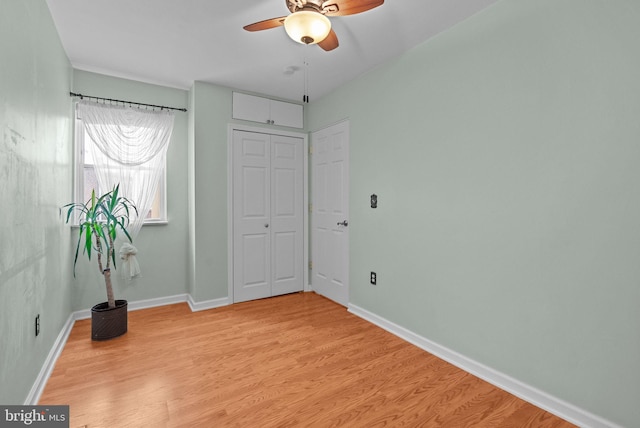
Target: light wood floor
x=291 y=361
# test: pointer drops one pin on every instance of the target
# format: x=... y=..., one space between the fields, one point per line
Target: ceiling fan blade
x=266 y=24
x=349 y=7
x=330 y=42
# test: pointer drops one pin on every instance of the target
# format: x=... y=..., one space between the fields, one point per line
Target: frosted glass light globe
x=307 y=27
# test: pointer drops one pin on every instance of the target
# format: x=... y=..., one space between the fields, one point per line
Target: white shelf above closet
x=265 y=110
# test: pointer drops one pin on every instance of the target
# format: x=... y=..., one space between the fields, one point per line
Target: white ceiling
x=176 y=42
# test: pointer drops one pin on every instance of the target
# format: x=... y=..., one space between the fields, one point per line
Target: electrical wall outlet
x=37 y=324
x=374 y=278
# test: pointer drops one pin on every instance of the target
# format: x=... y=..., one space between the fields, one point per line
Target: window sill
x=155 y=223
x=146 y=223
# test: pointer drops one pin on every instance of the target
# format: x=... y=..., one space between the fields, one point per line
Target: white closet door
x=287 y=220
x=252 y=216
x=267 y=215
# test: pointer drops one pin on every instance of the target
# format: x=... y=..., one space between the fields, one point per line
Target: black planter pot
x=108 y=323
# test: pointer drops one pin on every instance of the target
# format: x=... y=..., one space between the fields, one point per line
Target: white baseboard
x=526 y=392
x=207 y=304
x=47 y=368
x=158 y=301
x=141 y=304
x=49 y=363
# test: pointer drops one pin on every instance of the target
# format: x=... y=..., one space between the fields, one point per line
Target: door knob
x=343 y=223
x=266 y=225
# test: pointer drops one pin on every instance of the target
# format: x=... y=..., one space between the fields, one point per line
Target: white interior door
x=268 y=222
x=330 y=212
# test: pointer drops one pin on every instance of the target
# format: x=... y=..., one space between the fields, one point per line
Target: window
x=86 y=177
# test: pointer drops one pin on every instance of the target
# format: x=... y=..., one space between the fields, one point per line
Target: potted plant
x=99 y=220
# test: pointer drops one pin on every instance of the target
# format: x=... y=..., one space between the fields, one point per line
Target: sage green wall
x=191 y=186
x=212 y=112
x=158 y=246
x=35 y=178
x=505 y=155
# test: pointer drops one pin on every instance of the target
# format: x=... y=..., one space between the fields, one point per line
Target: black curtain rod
x=73 y=94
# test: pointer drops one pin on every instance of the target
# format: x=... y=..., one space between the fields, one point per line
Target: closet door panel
x=251 y=211
x=287 y=214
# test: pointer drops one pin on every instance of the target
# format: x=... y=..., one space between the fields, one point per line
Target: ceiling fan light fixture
x=307 y=27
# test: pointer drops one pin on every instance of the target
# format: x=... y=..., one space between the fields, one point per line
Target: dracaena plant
x=99 y=220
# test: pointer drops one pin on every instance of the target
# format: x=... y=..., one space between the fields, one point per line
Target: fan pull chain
x=305 y=97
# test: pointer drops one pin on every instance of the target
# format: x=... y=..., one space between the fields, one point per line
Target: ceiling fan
x=308 y=22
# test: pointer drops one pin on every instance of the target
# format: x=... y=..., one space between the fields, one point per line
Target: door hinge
x=310 y=265
x=310 y=208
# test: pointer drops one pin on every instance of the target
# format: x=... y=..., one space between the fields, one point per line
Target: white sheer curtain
x=129 y=147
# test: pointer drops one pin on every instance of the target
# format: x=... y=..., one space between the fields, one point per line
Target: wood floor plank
x=292 y=361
